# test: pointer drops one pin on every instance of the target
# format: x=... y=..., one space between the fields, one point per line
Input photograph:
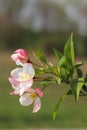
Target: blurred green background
x=47 y=24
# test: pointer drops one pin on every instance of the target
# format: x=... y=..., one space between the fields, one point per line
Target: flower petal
x=13 y=93
x=16 y=73
x=23 y=86
x=25 y=100
x=39 y=92
x=37 y=105
x=29 y=90
x=14 y=57
x=14 y=82
x=29 y=69
x=22 y=52
x=20 y=56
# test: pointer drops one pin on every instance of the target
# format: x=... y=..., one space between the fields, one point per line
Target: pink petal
x=39 y=92
x=37 y=105
x=14 y=57
x=29 y=90
x=20 y=55
x=13 y=93
x=16 y=73
x=25 y=85
x=14 y=82
x=22 y=52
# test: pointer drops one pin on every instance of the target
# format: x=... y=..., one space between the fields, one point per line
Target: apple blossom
x=22 y=78
x=31 y=96
x=20 y=56
x=66 y=71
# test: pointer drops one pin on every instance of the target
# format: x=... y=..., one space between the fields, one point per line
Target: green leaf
x=58 y=81
x=84 y=89
x=76 y=86
x=57 y=54
x=62 y=62
x=69 y=92
x=52 y=69
x=78 y=64
x=39 y=71
x=55 y=113
x=69 y=50
x=79 y=72
x=47 y=81
x=41 y=56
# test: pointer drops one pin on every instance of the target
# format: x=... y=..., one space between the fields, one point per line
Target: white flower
x=31 y=96
x=22 y=78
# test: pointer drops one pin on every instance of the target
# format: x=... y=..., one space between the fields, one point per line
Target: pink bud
x=20 y=55
x=39 y=92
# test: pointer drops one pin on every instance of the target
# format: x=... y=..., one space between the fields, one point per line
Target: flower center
x=25 y=76
x=33 y=95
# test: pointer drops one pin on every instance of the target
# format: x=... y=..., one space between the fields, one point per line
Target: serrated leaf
x=76 y=86
x=57 y=54
x=69 y=50
x=55 y=113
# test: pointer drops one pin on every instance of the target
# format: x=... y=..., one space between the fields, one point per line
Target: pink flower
x=31 y=96
x=20 y=56
x=22 y=78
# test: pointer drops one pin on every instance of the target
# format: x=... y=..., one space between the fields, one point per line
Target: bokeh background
x=47 y=24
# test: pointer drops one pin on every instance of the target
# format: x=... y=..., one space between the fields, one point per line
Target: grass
x=13 y=115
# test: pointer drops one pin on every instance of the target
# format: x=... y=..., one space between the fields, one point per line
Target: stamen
x=25 y=76
x=33 y=95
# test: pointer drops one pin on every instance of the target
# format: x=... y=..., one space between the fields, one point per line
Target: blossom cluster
x=66 y=71
x=22 y=79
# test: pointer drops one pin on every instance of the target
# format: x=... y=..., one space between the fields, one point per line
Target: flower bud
x=39 y=92
x=20 y=56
